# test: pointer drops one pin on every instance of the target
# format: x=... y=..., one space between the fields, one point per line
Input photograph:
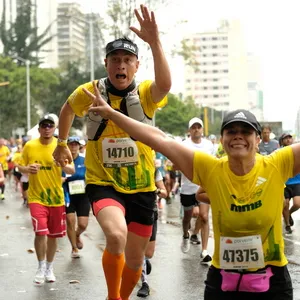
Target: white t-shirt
x=187 y=187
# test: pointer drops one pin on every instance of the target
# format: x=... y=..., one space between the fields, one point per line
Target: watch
x=62 y=142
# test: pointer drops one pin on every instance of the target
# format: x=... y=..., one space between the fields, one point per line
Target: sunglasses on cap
x=47 y=125
x=73 y=139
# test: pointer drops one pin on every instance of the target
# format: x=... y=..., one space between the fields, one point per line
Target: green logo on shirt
x=247 y=207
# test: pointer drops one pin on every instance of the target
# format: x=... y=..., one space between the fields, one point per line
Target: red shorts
x=49 y=221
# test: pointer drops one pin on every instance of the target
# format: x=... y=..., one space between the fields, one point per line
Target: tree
x=69 y=79
x=175 y=116
x=13 y=113
x=20 y=39
x=122 y=16
x=188 y=52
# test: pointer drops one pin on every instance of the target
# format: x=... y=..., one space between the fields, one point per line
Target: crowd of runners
x=123 y=168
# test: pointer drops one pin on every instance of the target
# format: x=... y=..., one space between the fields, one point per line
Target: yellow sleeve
x=284 y=160
x=79 y=100
x=146 y=99
x=203 y=164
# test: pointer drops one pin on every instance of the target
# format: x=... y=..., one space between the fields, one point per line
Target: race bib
x=119 y=152
x=241 y=253
x=158 y=163
x=76 y=187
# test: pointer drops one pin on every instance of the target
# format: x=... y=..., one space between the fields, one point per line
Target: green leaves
x=175 y=116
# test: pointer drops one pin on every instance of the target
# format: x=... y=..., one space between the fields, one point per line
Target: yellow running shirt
x=17 y=158
x=4 y=154
x=135 y=178
x=45 y=187
x=247 y=205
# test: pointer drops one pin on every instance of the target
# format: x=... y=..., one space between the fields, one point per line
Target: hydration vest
x=129 y=106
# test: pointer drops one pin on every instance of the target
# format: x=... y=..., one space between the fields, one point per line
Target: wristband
x=62 y=142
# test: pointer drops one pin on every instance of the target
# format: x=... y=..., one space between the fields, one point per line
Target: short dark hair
x=266 y=126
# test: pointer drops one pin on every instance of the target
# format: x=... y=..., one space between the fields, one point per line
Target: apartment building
x=72 y=27
x=219 y=79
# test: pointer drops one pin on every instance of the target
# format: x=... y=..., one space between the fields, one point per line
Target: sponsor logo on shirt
x=246 y=207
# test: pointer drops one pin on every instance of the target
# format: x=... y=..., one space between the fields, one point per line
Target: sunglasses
x=47 y=125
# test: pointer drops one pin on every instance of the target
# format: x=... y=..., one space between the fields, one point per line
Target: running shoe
x=79 y=243
x=49 y=275
x=39 y=276
x=185 y=245
x=75 y=254
x=195 y=240
x=288 y=230
x=291 y=221
x=144 y=291
x=2 y=197
x=205 y=260
x=148 y=267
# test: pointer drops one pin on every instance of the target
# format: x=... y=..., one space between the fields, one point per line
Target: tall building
x=255 y=94
x=71 y=25
x=44 y=14
x=220 y=78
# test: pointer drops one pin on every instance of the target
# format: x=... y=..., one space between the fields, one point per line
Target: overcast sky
x=271 y=31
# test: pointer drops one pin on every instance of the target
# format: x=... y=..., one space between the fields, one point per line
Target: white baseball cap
x=194 y=121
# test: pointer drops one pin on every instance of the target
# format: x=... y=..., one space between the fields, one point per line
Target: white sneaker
x=39 y=276
x=185 y=245
x=75 y=254
x=50 y=277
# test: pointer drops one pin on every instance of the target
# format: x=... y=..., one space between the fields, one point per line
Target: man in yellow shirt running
x=45 y=196
x=119 y=169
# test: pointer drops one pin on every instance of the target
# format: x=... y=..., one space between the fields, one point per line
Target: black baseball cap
x=241 y=115
x=122 y=44
x=285 y=135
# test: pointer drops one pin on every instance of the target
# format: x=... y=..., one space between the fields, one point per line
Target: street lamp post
x=91 y=27
x=27 y=63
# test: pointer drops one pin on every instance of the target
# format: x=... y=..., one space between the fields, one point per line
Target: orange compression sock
x=129 y=280
x=113 y=265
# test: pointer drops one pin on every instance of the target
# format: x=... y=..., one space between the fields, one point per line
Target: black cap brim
x=242 y=121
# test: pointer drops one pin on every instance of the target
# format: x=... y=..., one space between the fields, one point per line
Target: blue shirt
x=78 y=175
x=294 y=180
x=162 y=159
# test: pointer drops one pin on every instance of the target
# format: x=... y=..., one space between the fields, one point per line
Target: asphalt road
x=174 y=275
